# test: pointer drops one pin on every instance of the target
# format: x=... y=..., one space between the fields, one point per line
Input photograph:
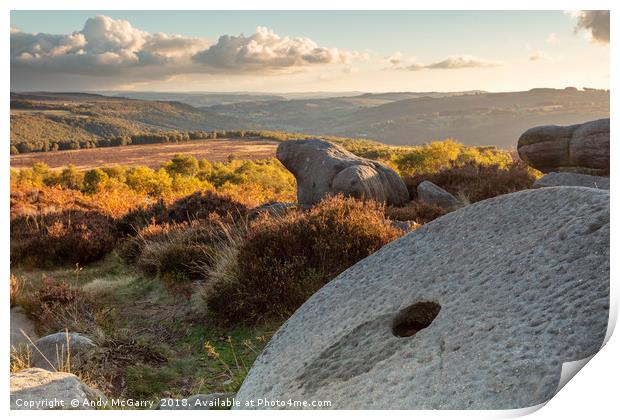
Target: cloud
x=104 y=46
x=396 y=59
x=266 y=51
x=595 y=23
x=113 y=49
x=552 y=38
x=539 y=55
x=452 y=62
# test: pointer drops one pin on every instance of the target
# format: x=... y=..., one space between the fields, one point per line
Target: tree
x=71 y=178
x=184 y=165
x=93 y=180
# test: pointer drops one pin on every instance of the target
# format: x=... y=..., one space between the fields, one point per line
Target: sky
x=304 y=51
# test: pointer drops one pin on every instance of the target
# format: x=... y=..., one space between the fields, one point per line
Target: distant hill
x=474 y=118
x=199 y=99
x=205 y=99
x=48 y=121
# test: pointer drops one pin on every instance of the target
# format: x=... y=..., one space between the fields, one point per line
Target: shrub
x=438 y=155
x=138 y=218
x=197 y=206
x=56 y=305
x=201 y=205
x=475 y=181
x=180 y=252
x=67 y=237
x=283 y=261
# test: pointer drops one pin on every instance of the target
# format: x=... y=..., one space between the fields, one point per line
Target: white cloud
x=595 y=23
x=107 y=48
x=397 y=61
x=266 y=51
x=104 y=46
x=552 y=38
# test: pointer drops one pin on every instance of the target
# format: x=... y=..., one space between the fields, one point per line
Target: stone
x=569 y=179
x=20 y=322
x=433 y=194
x=213 y=401
x=477 y=309
x=53 y=349
x=39 y=389
x=575 y=148
x=323 y=168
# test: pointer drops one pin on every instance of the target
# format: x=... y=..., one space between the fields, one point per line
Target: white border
x=593 y=393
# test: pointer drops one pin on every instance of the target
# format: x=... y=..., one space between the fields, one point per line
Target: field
x=151 y=155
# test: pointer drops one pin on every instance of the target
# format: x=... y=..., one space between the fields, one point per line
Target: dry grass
x=416 y=211
x=151 y=155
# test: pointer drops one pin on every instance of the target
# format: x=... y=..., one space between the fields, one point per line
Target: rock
x=322 y=168
x=433 y=194
x=568 y=179
x=213 y=401
x=477 y=309
x=20 y=322
x=575 y=148
x=54 y=348
x=40 y=389
x=275 y=209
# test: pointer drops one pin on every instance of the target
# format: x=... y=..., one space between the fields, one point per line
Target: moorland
x=163 y=261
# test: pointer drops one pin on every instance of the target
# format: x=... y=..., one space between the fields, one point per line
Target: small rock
x=213 y=401
x=432 y=194
x=39 y=389
x=568 y=179
x=53 y=347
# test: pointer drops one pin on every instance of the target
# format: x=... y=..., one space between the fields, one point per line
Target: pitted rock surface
x=519 y=283
x=574 y=148
x=322 y=168
x=568 y=179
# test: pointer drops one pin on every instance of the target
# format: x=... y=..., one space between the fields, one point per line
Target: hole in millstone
x=414 y=318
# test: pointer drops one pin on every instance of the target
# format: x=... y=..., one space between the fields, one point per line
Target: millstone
x=475 y=310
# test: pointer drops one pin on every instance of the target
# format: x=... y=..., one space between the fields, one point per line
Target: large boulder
x=433 y=194
x=475 y=310
x=39 y=389
x=568 y=179
x=59 y=348
x=574 y=148
x=322 y=168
